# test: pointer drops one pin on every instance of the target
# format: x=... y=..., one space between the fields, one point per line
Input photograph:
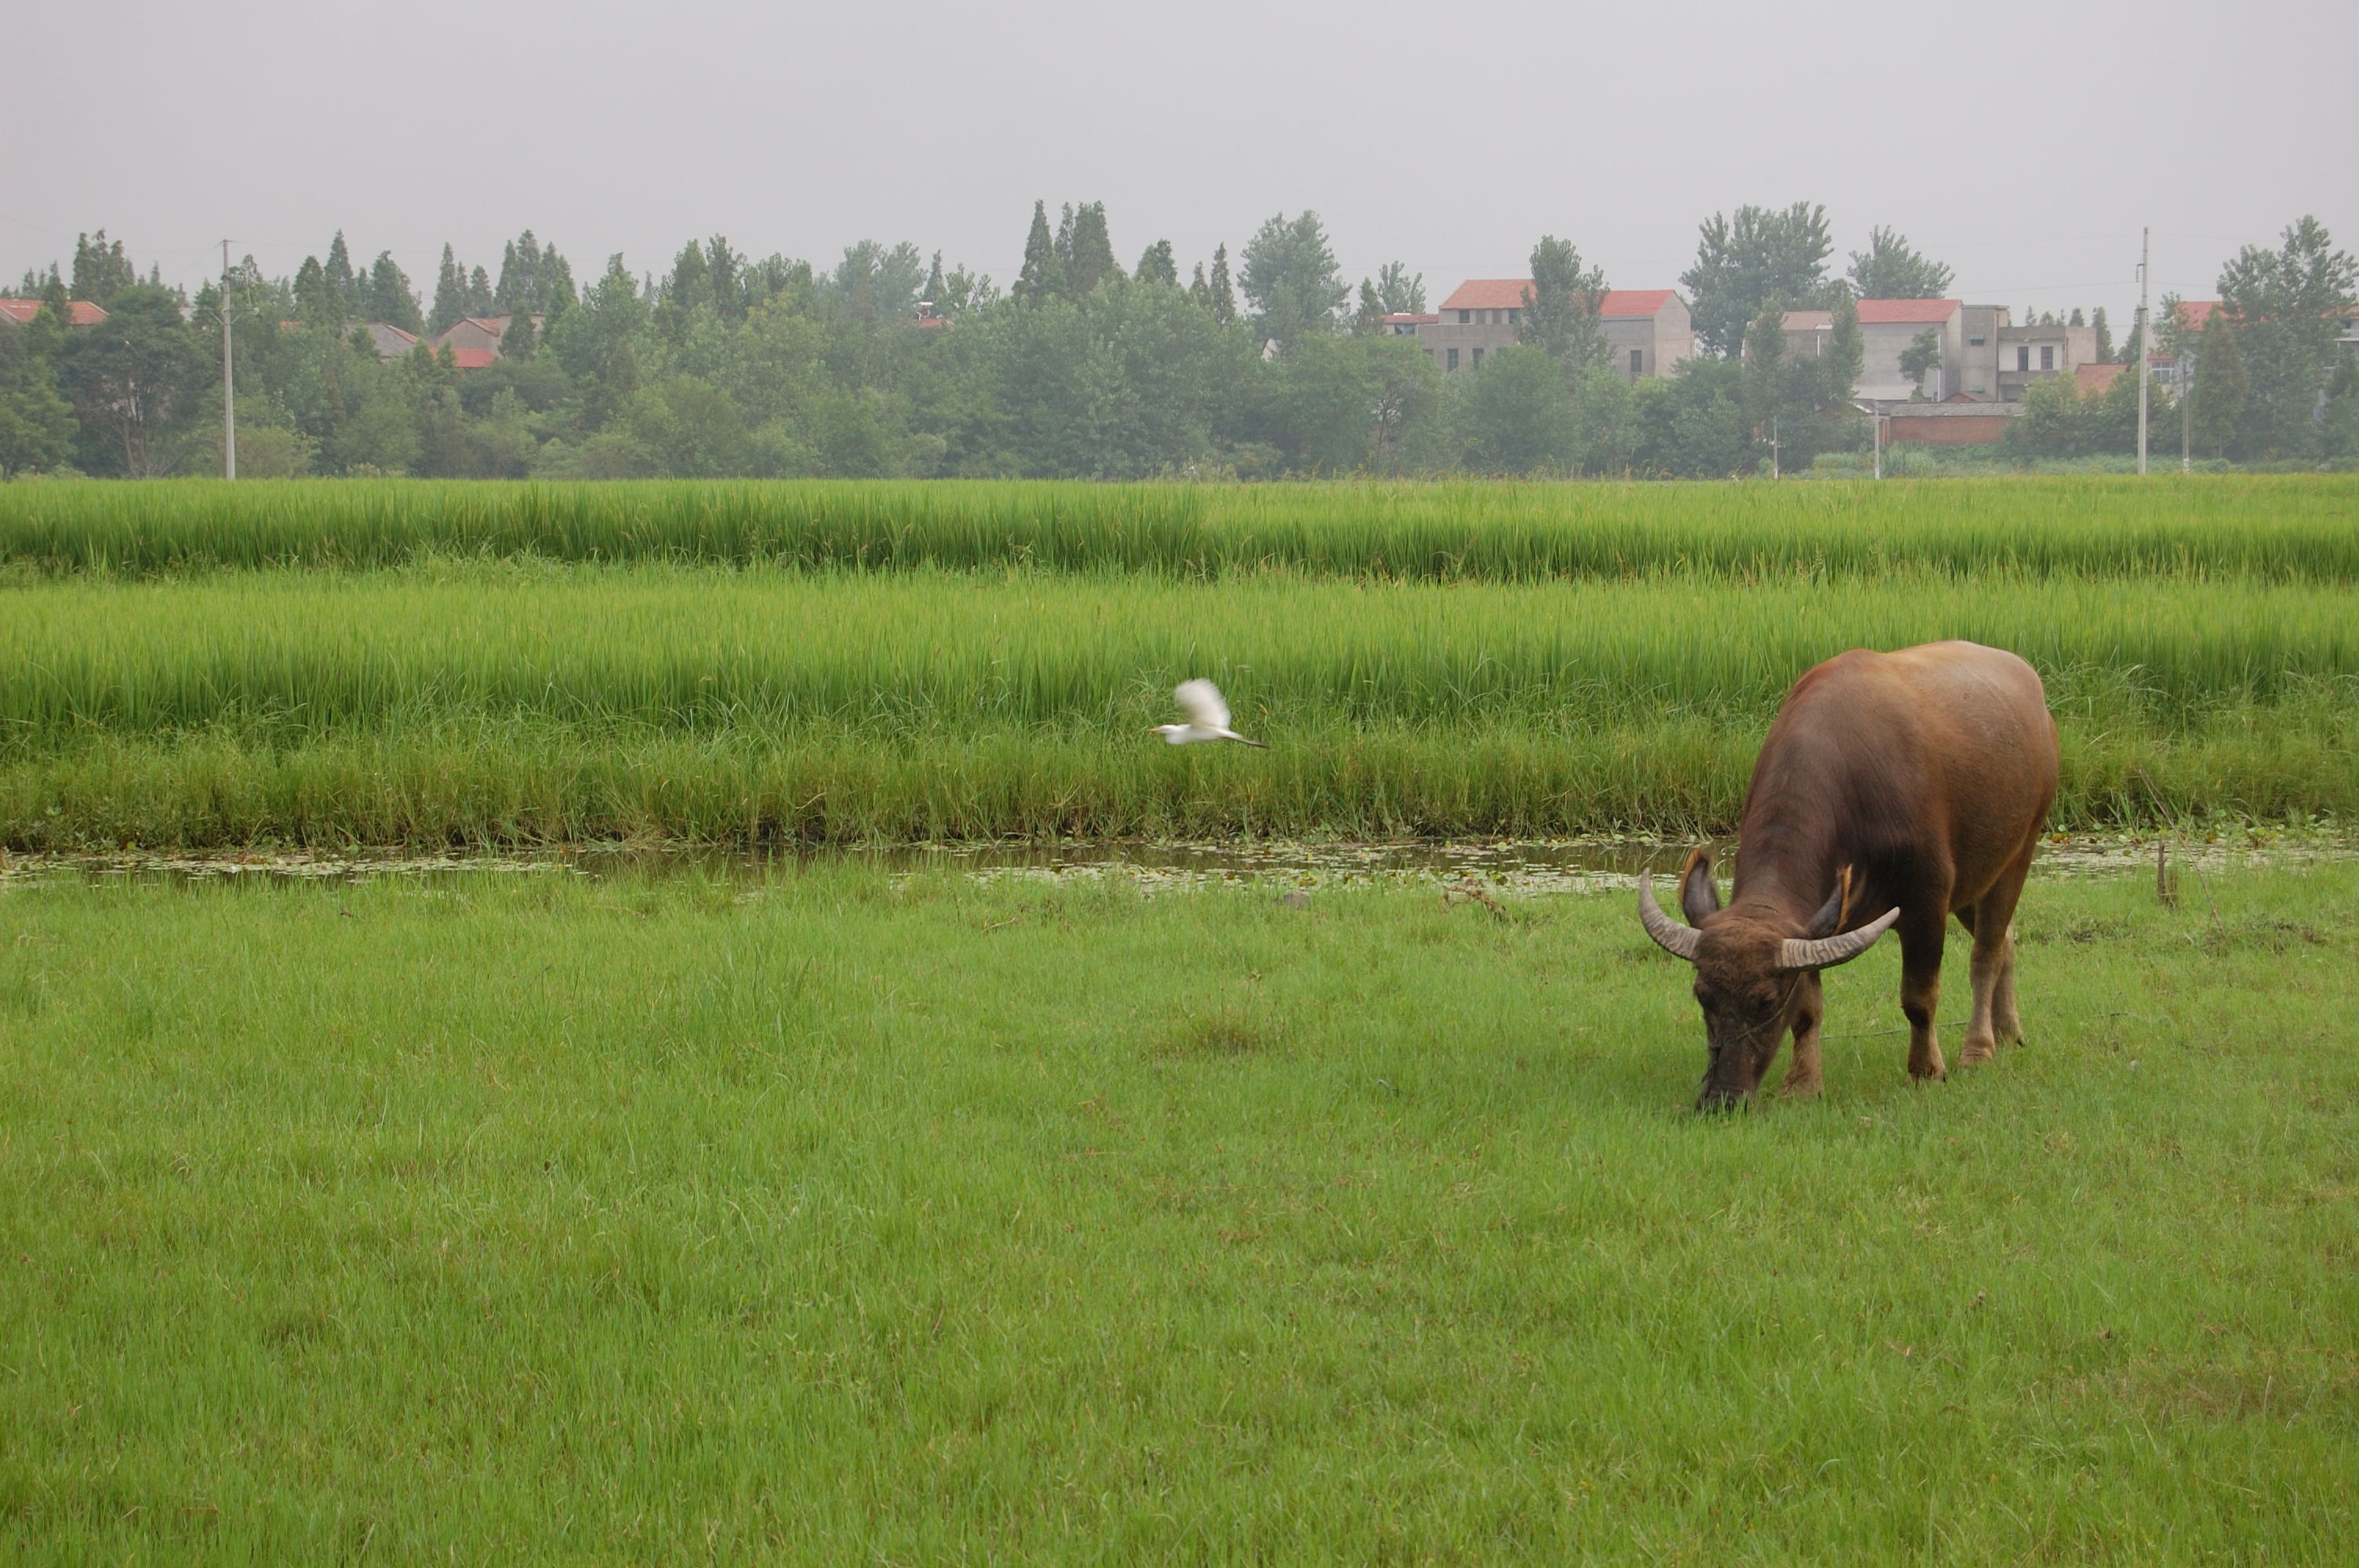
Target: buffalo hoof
x=1977 y=1052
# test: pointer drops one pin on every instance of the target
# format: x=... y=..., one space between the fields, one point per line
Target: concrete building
x=392 y=343
x=2028 y=355
x=1888 y=329
x=474 y=340
x=1647 y=331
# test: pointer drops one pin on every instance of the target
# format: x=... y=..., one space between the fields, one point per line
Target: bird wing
x=1201 y=701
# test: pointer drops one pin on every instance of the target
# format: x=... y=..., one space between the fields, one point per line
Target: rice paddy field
x=207 y=665
x=758 y=1198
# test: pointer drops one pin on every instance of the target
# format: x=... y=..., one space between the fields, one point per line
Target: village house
x=1647 y=331
x=79 y=312
x=474 y=340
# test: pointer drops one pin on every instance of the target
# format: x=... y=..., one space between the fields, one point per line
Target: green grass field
x=819 y=1218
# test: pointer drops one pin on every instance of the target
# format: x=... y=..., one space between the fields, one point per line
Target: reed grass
x=2286 y=528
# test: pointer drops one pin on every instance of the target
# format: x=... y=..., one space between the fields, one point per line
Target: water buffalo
x=1893 y=791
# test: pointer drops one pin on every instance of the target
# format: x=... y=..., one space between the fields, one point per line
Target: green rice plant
x=2286 y=528
x=764 y=650
x=491 y=702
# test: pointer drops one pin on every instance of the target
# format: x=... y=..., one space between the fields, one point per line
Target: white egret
x=1208 y=716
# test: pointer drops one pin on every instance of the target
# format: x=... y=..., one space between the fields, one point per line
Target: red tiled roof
x=1507 y=294
x=1809 y=321
x=1488 y=294
x=1907 y=312
x=476 y=359
x=1621 y=302
x=1409 y=319
x=2096 y=377
x=79 y=312
x=2193 y=313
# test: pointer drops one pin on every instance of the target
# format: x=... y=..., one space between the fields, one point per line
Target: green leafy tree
x=100 y=270
x=36 y=423
x=1691 y=424
x=1890 y=268
x=341 y=276
x=2104 y=336
x=1084 y=249
x=1517 y=415
x=388 y=296
x=318 y=302
x=518 y=341
x=450 y=294
x=1917 y=359
x=479 y=293
x=1041 y=276
x=1400 y=294
x=1560 y=310
x=592 y=340
x=875 y=283
x=1743 y=263
x=2289 y=306
x=1222 y=302
x=1157 y=264
x=131 y=381
x=2216 y=415
x=1291 y=279
x=1369 y=319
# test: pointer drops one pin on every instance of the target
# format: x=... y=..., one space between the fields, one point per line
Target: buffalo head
x=1753 y=968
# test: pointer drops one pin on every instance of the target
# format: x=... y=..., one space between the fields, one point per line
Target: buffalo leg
x=1992 y=921
x=1920 y=991
x=1803 y=1072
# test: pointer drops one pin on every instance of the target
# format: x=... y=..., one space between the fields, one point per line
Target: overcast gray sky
x=2023 y=142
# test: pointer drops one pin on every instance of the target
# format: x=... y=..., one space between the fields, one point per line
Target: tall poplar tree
x=1040 y=276
x=2217 y=414
x=1559 y=311
x=450 y=294
x=1224 y=293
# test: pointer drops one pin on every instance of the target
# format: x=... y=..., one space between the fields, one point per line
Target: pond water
x=1500 y=868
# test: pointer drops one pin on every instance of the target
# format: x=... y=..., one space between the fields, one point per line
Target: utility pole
x=1773 y=448
x=2145 y=347
x=1876 y=421
x=229 y=386
x=2185 y=377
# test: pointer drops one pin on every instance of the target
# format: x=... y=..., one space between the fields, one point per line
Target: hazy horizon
x=2040 y=156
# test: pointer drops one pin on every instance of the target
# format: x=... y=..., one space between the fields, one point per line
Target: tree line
x=885 y=364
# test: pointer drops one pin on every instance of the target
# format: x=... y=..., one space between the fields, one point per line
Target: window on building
x=1637 y=361
x=1465 y=318
x=1512 y=315
x=2022 y=358
x=2046 y=357
x=1453 y=353
x=1478 y=359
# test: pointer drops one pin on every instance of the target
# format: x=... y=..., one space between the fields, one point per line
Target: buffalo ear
x=1697 y=896
x=1830 y=917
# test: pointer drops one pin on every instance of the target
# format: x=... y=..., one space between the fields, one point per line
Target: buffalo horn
x=1828 y=951
x=1668 y=933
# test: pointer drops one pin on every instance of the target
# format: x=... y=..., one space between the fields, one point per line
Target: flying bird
x=1208 y=716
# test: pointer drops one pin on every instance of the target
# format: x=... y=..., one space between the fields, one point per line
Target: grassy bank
x=2290 y=528
x=544 y=1220
x=489 y=702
